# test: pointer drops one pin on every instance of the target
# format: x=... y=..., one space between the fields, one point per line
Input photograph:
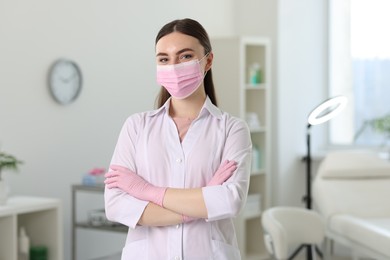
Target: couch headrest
x=354 y=165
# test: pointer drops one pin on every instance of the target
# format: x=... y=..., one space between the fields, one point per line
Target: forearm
x=189 y=202
x=155 y=215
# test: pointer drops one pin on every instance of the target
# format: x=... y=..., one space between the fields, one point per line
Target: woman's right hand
x=130 y=182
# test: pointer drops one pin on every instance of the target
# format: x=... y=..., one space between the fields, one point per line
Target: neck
x=188 y=107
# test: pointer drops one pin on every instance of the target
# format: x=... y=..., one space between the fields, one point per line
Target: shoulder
x=228 y=120
x=143 y=116
x=138 y=120
x=234 y=124
x=233 y=121
x=237 y=132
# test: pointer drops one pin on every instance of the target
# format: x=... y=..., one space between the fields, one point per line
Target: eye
x=162 y=60
x=185 y=57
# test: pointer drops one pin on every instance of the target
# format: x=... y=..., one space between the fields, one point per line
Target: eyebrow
x=177 y=53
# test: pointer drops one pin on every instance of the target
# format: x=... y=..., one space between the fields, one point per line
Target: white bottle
x=24 y=245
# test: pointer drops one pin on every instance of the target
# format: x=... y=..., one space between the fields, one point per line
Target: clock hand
x=74 y=74
x=67 y=79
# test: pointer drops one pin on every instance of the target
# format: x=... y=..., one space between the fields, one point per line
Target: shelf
x=258 y=172
x=41 y=218
x=261 y=86
x=252 y=102
x=23 y=204
x=114 y=228
x=85 y=225
x=258 y=256
x=97 y=188
x=248 y=214
x=261 y=129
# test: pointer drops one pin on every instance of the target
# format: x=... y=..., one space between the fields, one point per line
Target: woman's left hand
x=224 y=172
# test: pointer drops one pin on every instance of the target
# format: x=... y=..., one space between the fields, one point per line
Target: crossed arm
x=155 y=215
x=168 y=206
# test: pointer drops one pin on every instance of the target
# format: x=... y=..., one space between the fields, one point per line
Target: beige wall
x=112 y=41
x=302 y=85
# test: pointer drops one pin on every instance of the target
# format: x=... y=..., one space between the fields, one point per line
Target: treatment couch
x=352 y=192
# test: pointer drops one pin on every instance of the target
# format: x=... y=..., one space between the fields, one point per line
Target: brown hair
x=192 y=28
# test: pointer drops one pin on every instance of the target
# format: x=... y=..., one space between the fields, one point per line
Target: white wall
x=302 y=84
x=113 y=42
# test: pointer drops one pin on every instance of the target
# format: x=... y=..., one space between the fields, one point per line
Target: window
x=359 y=67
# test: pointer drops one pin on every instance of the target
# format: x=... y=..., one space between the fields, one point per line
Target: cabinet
x=42 y=219
x=86 y=224
x=242 y=77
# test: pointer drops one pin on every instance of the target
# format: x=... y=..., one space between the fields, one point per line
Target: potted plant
x=380 y=125
x=7 y=162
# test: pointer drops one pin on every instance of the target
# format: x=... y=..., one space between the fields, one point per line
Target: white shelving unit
x=42 y=219
x=233 y=58
x=78 y=224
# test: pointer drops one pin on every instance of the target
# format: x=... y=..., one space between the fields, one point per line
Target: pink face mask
x=180 y=80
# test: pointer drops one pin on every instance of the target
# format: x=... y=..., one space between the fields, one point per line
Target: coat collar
x=208 y=108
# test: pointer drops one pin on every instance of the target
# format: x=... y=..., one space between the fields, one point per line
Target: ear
x=209 y=61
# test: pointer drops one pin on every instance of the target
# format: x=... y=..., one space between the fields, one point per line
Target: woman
x=179 y=174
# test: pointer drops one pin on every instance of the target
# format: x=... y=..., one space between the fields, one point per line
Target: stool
x=286 y=228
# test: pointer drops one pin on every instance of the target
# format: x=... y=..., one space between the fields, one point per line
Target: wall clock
x=65 y=81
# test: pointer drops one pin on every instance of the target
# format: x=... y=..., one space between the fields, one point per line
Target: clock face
x=65 y=81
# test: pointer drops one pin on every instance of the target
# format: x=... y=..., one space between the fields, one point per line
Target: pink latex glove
x=186 y=219
x=130 y=182
x=224 y=172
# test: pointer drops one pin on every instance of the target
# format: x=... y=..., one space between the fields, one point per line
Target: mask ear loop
x=206 y=55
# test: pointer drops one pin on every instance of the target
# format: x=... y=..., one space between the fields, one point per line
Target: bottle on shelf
x=255 y=159
x=255 y=74
x=38 y=253
x=252 y=120
x=24 y=245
